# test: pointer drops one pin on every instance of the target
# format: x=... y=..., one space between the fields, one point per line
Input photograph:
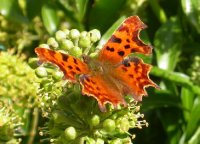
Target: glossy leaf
x=168 y=41
x=192 y=12
x=81 y=8
x=104 y=13
x=11 y=10
x=50 y=18
x=194 y=120
x=187 y=98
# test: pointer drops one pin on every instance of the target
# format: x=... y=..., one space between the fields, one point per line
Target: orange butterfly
x=110 y=76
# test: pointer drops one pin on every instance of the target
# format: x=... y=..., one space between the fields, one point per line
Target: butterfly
x=113 y=74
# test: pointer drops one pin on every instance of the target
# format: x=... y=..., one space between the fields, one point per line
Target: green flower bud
x=99 y=141
x=57 y=75
x=70 y=133
x=33 y=62
x=123 y=124
x=83 y=34
x=52 y=42
x=66 y=31
x=74 y=34
x=109 y=125
x=41 y=72
x=116 y=141
x=84 y=42
x=6 y=132
x=60 y=35
x=95 y=35
x=67 y=44
x=77 y=51
x=44 y=45
x=132 y=124
x=95 y=120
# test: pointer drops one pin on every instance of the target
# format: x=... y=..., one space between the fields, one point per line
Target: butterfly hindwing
x=101 y=90
x=134 y=73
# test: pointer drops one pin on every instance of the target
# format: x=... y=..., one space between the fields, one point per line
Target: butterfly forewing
x=69 y=65
x=125 y=40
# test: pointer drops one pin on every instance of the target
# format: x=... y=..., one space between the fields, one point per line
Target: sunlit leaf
x=104 y=13
x=50 y=18
x=192 y=11
x=194 y=119
x=187 y=98
x=81 y=8
x=167 y=42
x=11 y=10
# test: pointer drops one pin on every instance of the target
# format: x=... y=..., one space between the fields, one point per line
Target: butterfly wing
x=102 y=90
x=134 y=73
x=124 y=41
x=70 y=65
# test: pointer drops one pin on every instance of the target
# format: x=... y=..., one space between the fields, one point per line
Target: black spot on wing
x=64 y=57
x=78 y=69
x=130 y=75
x=70 y=67
x=110 y=49
x=75 y=61
x=127 y=46
x=121 y=53
x=115 y=39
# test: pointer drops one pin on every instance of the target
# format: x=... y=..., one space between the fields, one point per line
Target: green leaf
x=11 y=10
x=111 y=30
x=195 y=137
x=33 y=8
x=194 y=120
x=104 y=13
x=81 y=8
x=168 y=41
x=50 y=18
x=160 y=99
x=192 y=12
x=177 y=78
x=187 y=98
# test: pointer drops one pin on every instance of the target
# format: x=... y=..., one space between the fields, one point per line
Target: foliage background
x=173 y=112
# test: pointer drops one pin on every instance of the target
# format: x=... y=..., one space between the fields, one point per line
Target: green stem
x=34 y=126
x=158 y=11
x=177 y=78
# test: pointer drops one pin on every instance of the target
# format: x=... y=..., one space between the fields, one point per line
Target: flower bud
x=95 y=35
x=41 y=72
x=67 y=44
x=57 y=75
x=77 y=51
x=70 y=133
x=52 y=42
x=109 y=125
x=84 y=42
x=74 y=34
x=33 y=62
x=44 y=45
x=95 y=120
x=60 y=35
x=116 y=141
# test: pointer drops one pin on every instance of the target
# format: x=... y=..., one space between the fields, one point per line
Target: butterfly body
x=112 y=74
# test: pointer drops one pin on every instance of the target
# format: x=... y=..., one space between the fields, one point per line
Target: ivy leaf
x=192 y=12
x=50 y=18
x=168 y=42
x=11 y=10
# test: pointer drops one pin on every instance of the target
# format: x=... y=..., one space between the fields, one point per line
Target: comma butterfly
x=112 y=74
